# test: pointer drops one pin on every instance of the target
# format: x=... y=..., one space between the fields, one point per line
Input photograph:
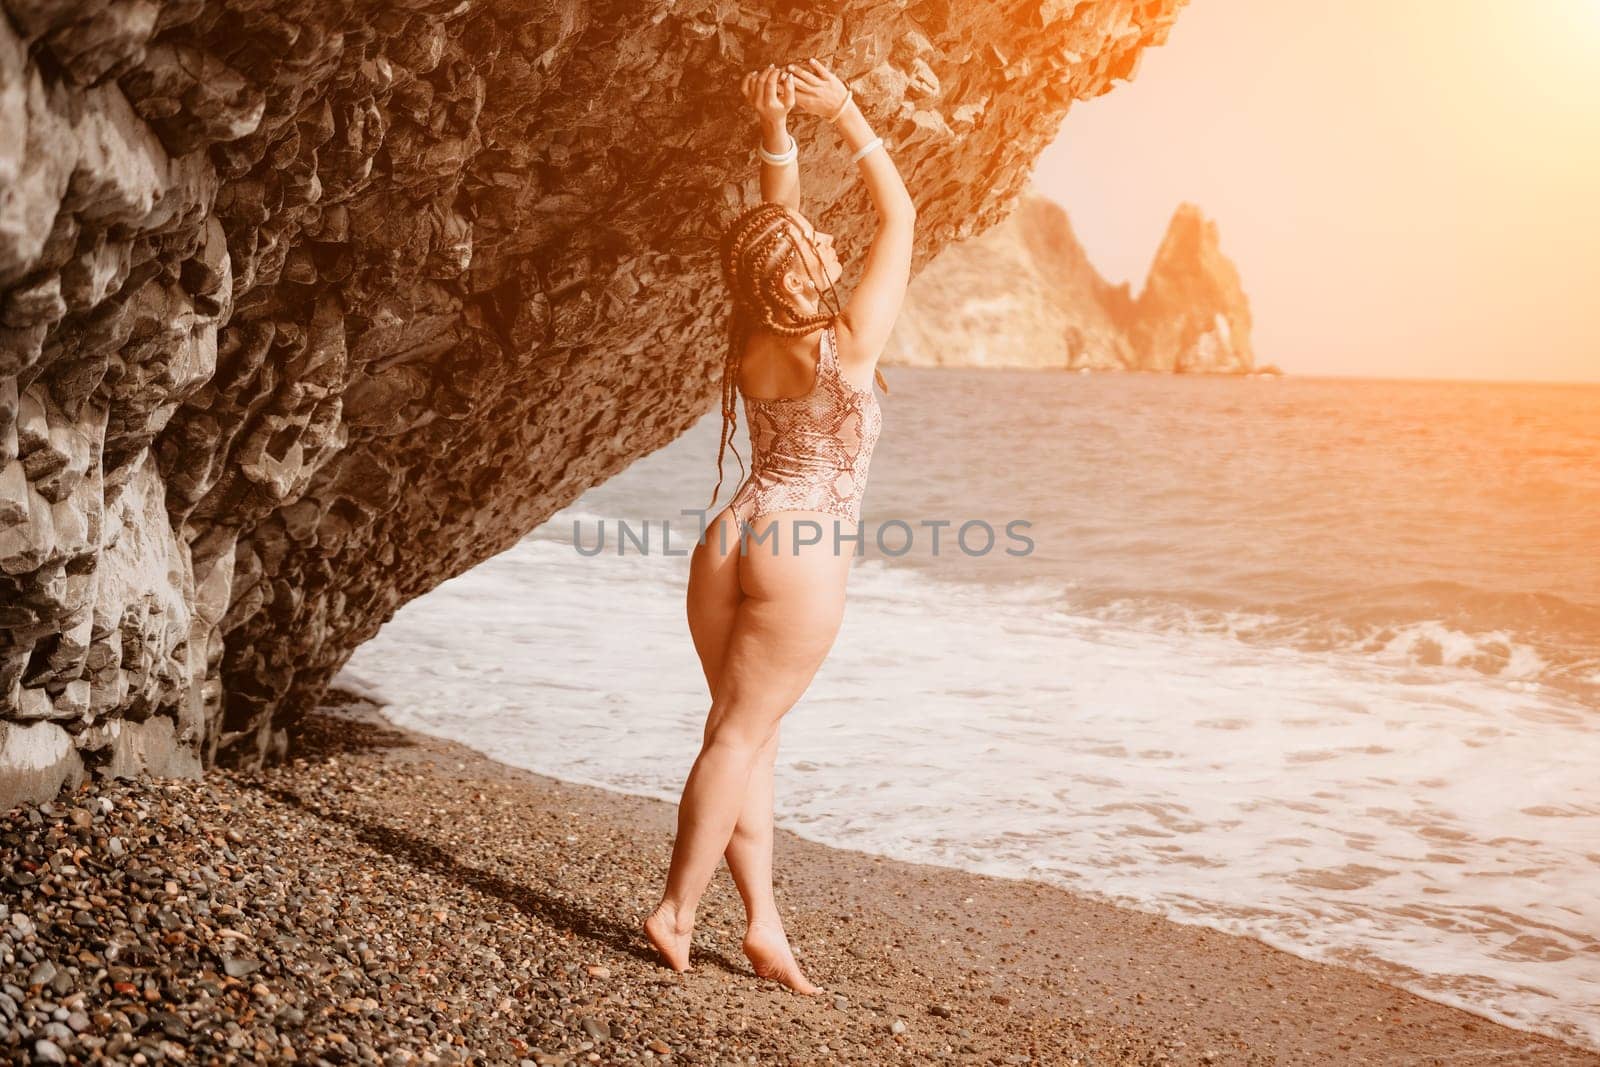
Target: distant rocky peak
x=1025 y=294
x=1191 y=253
x=1193 y=314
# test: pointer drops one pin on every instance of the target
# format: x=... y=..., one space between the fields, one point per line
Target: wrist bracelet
x=864 y=149
x=849 y=95
x=777 y=159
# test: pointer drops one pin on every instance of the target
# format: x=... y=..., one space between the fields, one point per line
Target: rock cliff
x=1024 y=294
x=307 y=307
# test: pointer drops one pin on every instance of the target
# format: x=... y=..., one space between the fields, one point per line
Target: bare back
x=776 y=367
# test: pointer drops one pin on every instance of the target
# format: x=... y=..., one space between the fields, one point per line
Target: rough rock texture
x=1024 y=294
x=307 y=307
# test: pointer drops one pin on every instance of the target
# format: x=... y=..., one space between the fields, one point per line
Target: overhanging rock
x=307 y=306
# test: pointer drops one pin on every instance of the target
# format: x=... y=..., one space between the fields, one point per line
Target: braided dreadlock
x=756 y=249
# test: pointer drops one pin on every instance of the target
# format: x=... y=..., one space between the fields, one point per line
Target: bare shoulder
x=857 y=361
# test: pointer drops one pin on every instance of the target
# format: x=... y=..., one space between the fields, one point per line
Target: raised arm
x=869 y=314
x=771 y=93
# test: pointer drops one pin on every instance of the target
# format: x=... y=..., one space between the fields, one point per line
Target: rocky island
x=1024 y=294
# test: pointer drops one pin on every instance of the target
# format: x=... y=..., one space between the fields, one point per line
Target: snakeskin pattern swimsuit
x=810 y=453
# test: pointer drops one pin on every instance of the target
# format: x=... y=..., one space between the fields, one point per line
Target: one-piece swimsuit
x=811 y=452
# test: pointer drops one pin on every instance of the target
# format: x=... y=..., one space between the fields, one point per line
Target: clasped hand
x=809 y=87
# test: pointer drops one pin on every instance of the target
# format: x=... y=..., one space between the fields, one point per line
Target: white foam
x=1424 y=643
x=1435 y=826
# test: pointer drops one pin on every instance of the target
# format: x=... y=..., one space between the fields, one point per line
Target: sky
x=1410 y=188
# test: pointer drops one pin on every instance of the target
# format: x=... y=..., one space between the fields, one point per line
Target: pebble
x=384 y=908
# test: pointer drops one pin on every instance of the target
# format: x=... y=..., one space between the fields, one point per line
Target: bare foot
x=767 y=947
x=670 y=937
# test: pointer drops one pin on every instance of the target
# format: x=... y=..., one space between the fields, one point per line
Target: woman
x=763 y=611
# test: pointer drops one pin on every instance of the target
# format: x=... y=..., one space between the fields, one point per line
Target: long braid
x=757 y=247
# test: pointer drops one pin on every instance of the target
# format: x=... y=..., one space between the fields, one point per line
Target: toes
x=785 y=972
x=771 y=958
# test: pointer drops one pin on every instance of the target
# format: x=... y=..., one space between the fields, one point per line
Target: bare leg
x=713 y=599
x=749 y=856
x=782 y=630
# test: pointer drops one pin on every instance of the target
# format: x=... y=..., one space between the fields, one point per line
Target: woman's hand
x=772 y=93
x=817 y=90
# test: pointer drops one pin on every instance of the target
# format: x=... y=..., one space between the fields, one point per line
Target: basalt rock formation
x=306 y=307
x=1024 y=294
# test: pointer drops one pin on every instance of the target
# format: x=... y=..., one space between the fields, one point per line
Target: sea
x=1314 y=661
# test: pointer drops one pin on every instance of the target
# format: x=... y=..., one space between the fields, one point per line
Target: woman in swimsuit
x=766 y=595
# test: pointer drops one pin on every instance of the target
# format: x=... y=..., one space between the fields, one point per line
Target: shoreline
x=408 y=895
x=1384 y=971
x=1099 y=917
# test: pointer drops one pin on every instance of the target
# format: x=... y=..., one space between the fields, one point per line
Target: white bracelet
x=864 y=149
x=778 y=159
x=849 y=95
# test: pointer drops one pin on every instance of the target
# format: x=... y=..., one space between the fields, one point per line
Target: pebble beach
x=387 y=897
